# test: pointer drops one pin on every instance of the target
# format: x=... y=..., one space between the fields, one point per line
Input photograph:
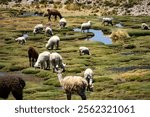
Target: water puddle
x=98 y=36
x=26 y=77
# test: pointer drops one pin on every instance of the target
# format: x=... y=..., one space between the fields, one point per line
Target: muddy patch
x=26 y=77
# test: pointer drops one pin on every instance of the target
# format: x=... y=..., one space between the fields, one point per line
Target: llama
x=73 y=84
x=88 y=75
x=84 y=50
x=107 y=21
x=33 y=56
x=56 y=61
x=53 y=12
x=54 y=40
x=43 y=58
x=86 y=26
x=12 y=84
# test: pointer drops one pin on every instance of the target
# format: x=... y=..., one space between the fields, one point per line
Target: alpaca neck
x=59 y=75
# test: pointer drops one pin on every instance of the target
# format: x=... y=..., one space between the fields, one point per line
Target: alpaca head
x=37 y=65
x=90 y=83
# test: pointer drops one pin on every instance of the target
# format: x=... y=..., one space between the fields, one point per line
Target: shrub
x=119 y=35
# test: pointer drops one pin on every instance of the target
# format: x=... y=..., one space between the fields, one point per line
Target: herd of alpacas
x=45 y=60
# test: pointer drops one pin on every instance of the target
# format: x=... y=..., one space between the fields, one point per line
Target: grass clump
x=30 y=71
x=119 y=36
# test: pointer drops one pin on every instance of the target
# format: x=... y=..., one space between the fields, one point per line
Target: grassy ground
x=119 y=72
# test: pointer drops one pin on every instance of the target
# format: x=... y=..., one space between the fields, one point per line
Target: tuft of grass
x=30 y=71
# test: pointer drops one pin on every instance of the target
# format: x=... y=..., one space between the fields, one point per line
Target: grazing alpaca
x=88 y=75
x=84 y=50
x=73 y=84
x=62 y=22
x=22 y=40
x=56 y=61
x=53 y=41
x=107 y=21
x=33 y=56
x=86 y=26
x=38 y=28
x=53 y=12
x=48 y=31
x=43 y=60
x=144 y=26
x=12 y=84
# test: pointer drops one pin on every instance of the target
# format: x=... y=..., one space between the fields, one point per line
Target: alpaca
x=48 y=31
x=86 y=26
x=54 y=40
x=84 y=50
x=22 y=40
x=56 y=61
x=53 y=12
x=88 y=75
x=43 y=58
x=33 y=56
x=144 y=26
x=12 y=84
x=107 y=21
x=73 y=84
x=38 y=28
x=62 y=22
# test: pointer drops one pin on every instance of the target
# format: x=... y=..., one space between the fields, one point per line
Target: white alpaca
x=107 y=21
x=38 y=28
x=62 y=22
x=43 y=60
x=144 y=26
x=88 y=75
x=48 y=31
x=56 y=61
x=54 y=40
x=22 y=40
x=84 y=50
x=73 y=84
x=86 y=26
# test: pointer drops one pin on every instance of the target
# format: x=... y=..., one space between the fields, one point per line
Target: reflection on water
x=98 y=36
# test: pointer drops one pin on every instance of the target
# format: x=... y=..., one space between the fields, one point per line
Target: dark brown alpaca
x=13 y=84
x=53 y=12
x=33 y=56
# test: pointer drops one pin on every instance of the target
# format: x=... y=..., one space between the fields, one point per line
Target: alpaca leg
x=82 y=95
x=49 y=17
x=18 y=95
x=68 y=95
x=48 y=64
x=4 y=92
x=30 y=64
x=57 y=45
x=55 y=17
x=52 y=46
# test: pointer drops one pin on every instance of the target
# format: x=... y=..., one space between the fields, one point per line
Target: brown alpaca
x=13 y=84
x=33 y=56
x=53 y=12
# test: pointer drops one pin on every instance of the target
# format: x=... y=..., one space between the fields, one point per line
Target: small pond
x=98 y=36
